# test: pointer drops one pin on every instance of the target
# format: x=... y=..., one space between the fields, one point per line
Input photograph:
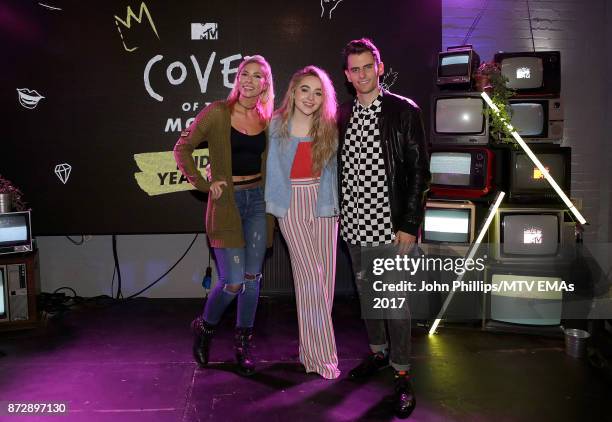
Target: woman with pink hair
x=301 y=190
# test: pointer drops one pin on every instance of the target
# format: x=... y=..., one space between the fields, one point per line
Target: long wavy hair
x=324 y=131
x=265 y=103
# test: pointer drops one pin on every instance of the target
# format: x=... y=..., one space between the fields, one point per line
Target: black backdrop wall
x=97 y=88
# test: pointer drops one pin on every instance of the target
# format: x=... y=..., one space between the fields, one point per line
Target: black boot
x=202 y=336
x=404 y=401
x=242 y=346
x=370 y=365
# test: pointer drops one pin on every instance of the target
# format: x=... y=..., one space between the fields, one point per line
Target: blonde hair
x=265 y=103
x=324 y=131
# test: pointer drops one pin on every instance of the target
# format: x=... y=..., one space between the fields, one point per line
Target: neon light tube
x=537 y=162
x=470 y=254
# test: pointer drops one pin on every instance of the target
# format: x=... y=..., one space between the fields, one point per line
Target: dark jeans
x=389 y=327
x=241 y=265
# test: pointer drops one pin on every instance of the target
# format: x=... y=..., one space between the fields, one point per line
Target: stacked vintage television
x=530 y=237
x=16 y=295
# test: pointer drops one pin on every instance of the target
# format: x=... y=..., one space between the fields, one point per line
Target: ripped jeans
x=241 y=266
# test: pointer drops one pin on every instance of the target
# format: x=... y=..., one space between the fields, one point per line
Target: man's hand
x=404 y=241
x=216 y=188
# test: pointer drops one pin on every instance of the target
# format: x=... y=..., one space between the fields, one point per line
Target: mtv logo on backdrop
x=205 y=31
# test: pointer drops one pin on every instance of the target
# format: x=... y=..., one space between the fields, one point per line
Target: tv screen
x=447 y=225
x=459 y=115
x=3 y=298
x=455 y=65
x=13 y=228
x=527 y=177
x=529 y=119
x=515 y=303
x=450 y=168
x=530 y=234
x=523 y=72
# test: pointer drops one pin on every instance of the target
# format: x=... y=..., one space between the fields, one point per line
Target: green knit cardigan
x=223 y=223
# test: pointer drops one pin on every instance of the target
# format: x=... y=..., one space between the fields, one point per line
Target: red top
x=302 y=163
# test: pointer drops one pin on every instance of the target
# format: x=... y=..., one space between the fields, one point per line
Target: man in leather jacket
x=383 y=177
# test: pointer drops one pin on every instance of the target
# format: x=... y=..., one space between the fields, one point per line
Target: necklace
x=245 y=107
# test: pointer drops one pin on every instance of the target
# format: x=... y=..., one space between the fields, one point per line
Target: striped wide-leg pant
x=312 y=248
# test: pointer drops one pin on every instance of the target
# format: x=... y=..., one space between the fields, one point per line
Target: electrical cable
x=56 y=304
x=167 y=272
x=475 y=22
x=75 y=242
x=530 y=26
x=207 y=280
x=113 y=282
x=66 y=288
x=117 y=267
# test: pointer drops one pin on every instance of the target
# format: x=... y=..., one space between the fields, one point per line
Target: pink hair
x=265 y=103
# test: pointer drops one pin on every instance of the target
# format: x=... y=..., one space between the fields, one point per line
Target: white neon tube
x=470 y=254
x=537 y=162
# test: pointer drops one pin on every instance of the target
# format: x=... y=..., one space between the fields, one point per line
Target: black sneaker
x=404 y=400
x=370 y=365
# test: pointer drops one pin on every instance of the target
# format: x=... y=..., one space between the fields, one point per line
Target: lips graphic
x=29 y=98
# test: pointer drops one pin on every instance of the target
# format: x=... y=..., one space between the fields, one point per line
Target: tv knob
x=479 y=156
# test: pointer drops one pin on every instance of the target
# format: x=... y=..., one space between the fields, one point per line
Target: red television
x=461 y=172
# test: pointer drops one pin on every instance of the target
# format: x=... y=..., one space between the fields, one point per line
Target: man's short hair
x=360 y=46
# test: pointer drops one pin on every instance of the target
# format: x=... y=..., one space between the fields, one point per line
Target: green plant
x=490 y=79
x=16 y=196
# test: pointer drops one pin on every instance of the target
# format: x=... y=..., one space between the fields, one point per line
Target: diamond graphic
x=62 y=171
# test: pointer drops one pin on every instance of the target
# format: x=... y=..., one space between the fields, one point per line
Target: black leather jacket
x=405 y=155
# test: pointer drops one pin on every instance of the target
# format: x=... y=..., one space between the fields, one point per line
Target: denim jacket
x=281 y=153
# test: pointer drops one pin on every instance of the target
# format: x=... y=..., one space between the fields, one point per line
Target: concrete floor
x=132 y=361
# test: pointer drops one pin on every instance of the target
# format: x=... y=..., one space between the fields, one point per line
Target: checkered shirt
x=366 y=213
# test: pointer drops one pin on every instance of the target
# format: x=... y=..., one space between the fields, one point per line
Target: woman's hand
x=216 y=188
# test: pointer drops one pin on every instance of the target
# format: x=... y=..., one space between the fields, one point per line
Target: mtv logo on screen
x=205 y=31
x=532 y=235
x=523 y=73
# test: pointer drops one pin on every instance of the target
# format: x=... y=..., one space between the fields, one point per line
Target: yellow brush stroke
x=130 y=14
x=151 y=164
x=149 y=182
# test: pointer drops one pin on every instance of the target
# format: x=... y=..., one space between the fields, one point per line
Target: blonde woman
x=236 y=223
x=301 y=190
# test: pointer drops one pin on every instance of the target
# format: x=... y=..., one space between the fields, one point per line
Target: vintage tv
x=522 y=234
x=459 y=118
x=15 y=232
x=526 y=183
x=538 y=120
x=456 y=67
x=461 y=171
x=528 y=294
x=15 y=280
x=448 y=227
x=4 y=304
x=532 y=73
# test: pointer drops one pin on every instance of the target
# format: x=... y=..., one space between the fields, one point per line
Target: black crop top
x=246 y=152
